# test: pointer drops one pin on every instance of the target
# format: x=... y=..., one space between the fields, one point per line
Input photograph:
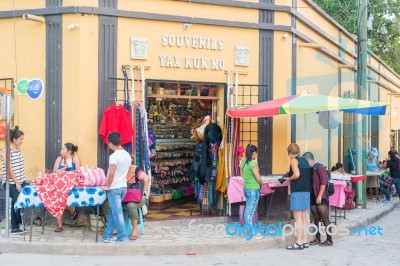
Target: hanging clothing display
x=116 y=119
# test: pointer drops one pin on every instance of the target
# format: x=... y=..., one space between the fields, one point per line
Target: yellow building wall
x=24 y=57
x=282 y=83
x=194 y=10
x=80 y=86
x=6 y=5
x=153 y=31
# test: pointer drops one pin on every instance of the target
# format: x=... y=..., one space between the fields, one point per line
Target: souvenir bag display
x=350 y=194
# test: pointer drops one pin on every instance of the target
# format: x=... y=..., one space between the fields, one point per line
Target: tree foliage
x=384 y=38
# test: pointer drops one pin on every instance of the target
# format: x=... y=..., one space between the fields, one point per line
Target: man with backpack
x=319 y=199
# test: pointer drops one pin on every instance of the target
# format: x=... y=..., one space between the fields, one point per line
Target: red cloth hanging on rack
x=116 y=119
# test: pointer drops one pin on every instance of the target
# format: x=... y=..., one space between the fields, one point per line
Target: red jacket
x=116 y=119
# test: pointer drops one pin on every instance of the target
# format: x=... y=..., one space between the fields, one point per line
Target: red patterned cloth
x=53 y=190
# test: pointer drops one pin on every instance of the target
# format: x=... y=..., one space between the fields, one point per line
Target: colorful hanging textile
x=53 y=190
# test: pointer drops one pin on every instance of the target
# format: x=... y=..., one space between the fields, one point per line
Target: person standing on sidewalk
x=300 y=188
x=392 y=167
x=67 y=161
x=16 y=178
x=119 y=165
x=252 y=182
x=319 y=199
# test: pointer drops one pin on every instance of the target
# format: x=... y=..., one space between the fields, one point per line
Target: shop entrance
x=175 y=110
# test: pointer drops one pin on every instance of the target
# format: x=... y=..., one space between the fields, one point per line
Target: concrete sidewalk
x=205 y=235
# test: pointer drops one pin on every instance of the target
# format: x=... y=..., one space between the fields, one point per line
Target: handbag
x=388 y=181
x=132 y=195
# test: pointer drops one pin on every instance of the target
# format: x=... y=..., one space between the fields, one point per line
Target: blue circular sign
x=35 y=89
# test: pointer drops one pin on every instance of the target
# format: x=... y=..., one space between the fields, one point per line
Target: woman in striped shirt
x=16 y=176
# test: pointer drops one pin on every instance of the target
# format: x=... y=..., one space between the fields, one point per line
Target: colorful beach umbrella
x=308 y=103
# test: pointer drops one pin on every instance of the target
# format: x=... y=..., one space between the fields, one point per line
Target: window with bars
x=248 y=95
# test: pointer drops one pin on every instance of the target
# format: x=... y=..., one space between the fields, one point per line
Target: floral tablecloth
x=78 y=196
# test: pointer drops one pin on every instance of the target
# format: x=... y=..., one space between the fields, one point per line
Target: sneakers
x=119 y=242
x=387 y=201
x=17 y=231
x=106 y=240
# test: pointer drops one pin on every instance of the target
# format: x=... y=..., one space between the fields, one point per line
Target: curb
x=165 y=247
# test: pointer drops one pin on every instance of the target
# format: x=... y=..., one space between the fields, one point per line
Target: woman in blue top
x=68 y=161
x=372 y=163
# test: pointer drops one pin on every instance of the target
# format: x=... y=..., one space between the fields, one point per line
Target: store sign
x=23 y=86
x=192 y=62
x=242 y=55
x=139 y=48
x=35 y=89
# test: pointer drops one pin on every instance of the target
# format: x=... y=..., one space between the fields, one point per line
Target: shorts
x=313 y=200
x=300 y=201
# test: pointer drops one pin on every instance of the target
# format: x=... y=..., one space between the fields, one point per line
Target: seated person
x=372 y=163
x=132 y=207
x=338 y=167
x=67 y=161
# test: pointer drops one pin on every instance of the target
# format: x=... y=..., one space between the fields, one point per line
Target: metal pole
x=7 y=160
x=362 y=94
x=329 y=141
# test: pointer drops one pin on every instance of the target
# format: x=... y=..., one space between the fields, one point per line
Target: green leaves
x=383 y=39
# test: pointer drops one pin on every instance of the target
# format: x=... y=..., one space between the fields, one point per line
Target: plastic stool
x=128 y=223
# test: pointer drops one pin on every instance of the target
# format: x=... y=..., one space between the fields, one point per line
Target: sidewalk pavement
x=170 y=237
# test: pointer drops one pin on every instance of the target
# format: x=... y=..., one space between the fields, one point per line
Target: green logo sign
x=23 y=86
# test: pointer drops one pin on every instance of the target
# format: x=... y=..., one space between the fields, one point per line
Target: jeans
x=16 y=218
x=252 y=197
x=387 y=190
x=115 y=217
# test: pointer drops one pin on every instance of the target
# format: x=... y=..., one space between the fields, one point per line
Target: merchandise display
x=173 y=121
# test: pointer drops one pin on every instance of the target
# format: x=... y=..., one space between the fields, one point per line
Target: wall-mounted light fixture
x=33 y=18
x=284 y=36
x=186 y=26
x=72 y=26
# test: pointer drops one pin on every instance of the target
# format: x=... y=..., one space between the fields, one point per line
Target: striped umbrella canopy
x=308 y=103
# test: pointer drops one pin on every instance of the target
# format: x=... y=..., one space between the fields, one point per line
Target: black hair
x=392 y=155
x=15 y=133
x=308 y=156
x=249 y=152
x=114 y=138
x=71 y=147
x=337 y=166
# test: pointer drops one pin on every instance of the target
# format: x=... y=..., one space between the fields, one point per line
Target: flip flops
x=315 y=242
x=134 y=237
x=58 y=229
x=326 y=244
x=295 y=246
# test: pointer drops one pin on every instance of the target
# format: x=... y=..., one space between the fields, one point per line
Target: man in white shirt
x=119 y=165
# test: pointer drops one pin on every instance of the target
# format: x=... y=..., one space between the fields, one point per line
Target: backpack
x=330 y=188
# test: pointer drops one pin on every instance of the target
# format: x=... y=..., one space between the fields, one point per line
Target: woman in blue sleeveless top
x=68 y=161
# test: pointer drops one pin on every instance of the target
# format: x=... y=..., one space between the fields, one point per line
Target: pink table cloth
x=236 y=184
x=338 y=199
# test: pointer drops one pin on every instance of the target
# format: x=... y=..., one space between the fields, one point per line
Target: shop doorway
x=175 y=110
